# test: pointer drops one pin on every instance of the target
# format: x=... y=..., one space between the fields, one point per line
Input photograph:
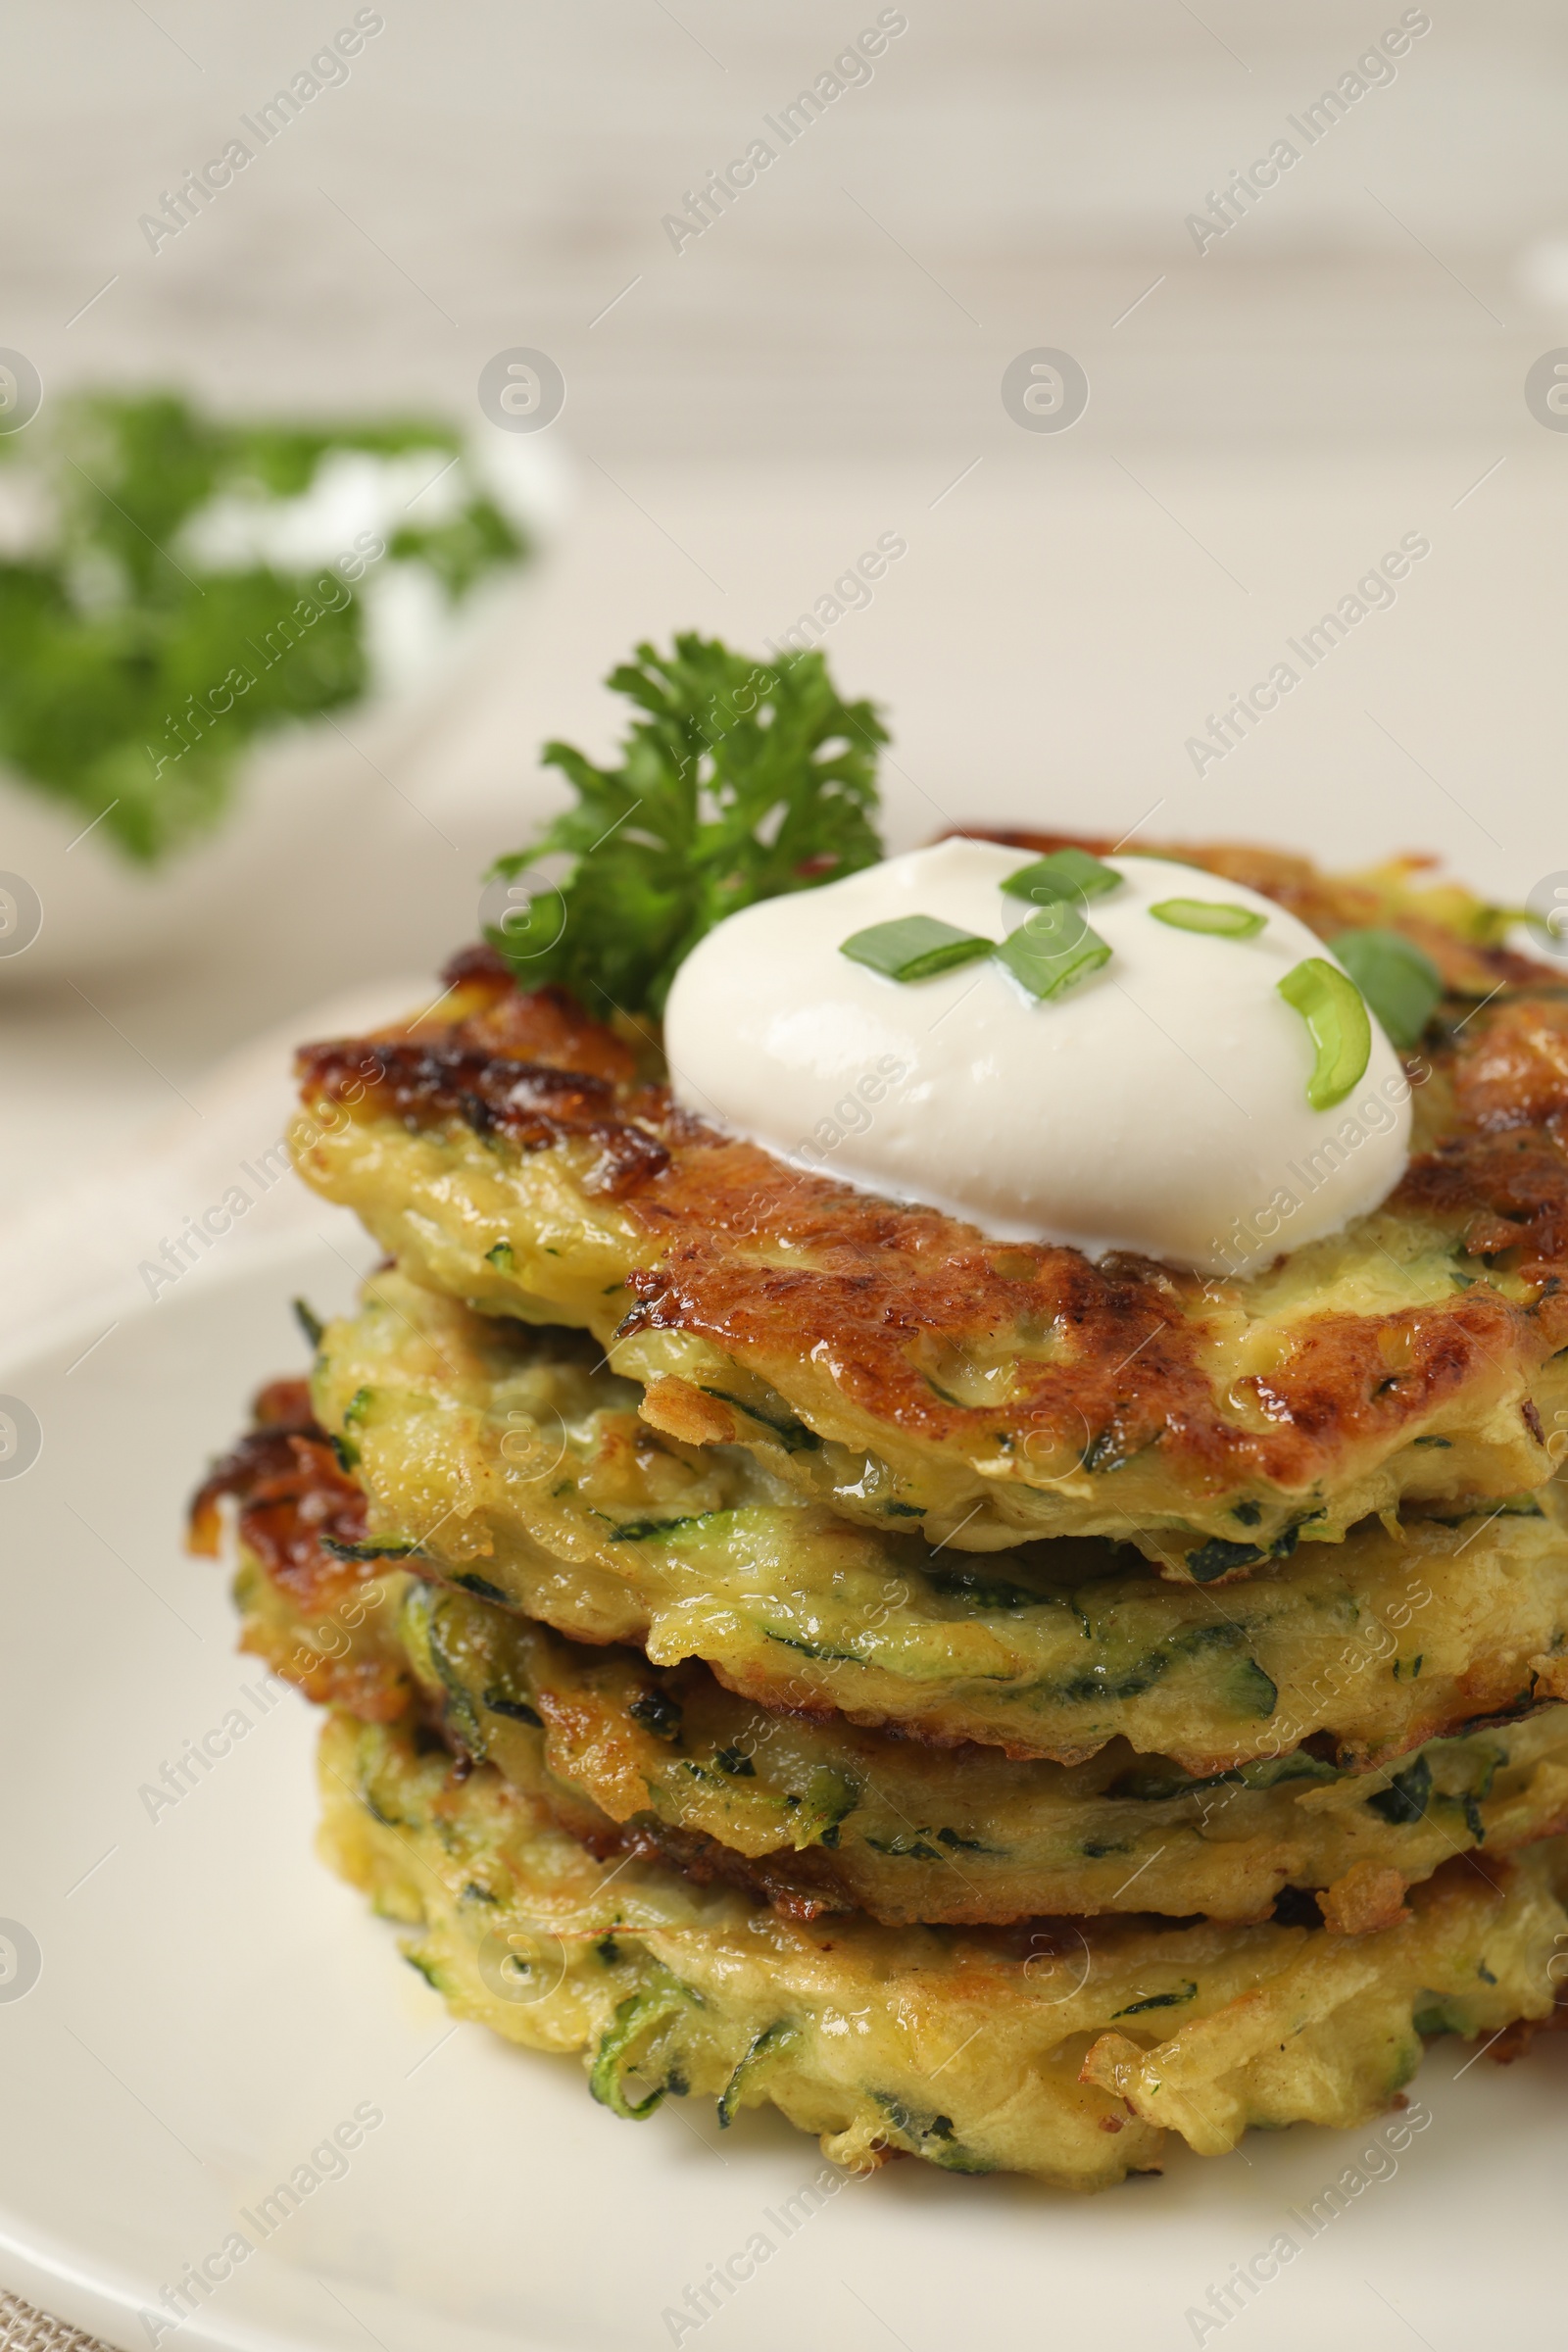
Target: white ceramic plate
x=212 y=2004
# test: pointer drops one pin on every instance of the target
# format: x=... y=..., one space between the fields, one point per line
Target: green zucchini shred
x=309 y=1321
x=658 y=1713
x=517 y=1710
x=483 y=1585
x=641 y=2013
x=641 y=1530
x=388 y=1548
x=1406 y=1799
x=830 y=1799
x=792 y=1435
x=1160 y=2000
x=914 y=2125
x=769 y=2042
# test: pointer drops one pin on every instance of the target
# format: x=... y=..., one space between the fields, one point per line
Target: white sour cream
x=1159 y=1105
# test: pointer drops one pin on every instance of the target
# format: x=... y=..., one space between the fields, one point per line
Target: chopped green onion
x=913 y=947
x=1222 y=917
x=1064 y=874
x=1337 y=1023
x=1052 y=950
x=1400 y=983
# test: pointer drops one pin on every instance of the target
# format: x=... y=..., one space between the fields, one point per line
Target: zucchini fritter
x=821 y=1814
x=894 y=1364
x=1064 y=2052
x=518 y=1467
x=824 y=1816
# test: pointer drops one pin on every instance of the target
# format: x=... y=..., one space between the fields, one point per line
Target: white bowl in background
x=73 y=903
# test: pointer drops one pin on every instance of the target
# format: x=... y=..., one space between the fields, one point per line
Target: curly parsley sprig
x=740 y=781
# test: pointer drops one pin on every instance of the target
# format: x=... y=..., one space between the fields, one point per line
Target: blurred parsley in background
x=161 y=601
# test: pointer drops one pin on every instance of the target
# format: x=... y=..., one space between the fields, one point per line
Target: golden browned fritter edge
x=883 y=1290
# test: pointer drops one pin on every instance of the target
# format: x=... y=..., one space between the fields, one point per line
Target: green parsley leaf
x=1053 y=951
x=1064 y=874
x=1337 y=1023
x=913 y=947
x=738 y=781
x=1400 y=983
x=1221 y=916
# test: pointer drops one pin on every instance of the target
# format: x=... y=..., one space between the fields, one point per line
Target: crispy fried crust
x=531 y=1106
x=291 y=1491
x=1175 y=1405
x=294 y=1502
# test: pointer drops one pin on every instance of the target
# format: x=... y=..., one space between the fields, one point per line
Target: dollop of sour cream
x=1157 y=1105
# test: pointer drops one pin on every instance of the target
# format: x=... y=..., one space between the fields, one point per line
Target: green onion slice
x=1336 y=1016
x=1052 y=950
x=1400 y=983
x=1221 y=916
x=914 y=948
x=1064 y=874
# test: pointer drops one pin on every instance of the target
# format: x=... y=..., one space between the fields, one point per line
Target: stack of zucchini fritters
x=998 y=1707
